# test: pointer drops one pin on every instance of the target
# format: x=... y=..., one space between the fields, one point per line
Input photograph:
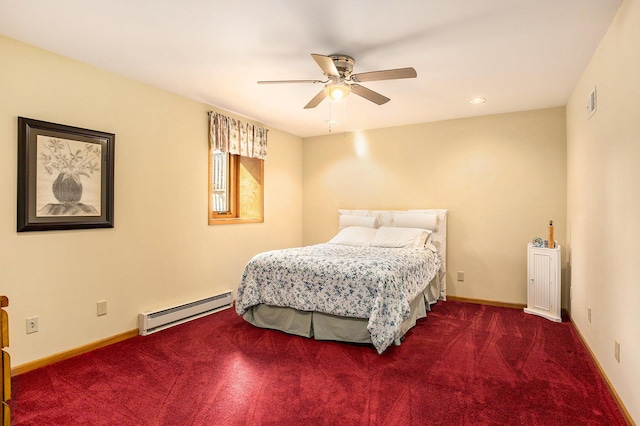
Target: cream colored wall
x=604 y=206
x=161 y=250
x=502 y=177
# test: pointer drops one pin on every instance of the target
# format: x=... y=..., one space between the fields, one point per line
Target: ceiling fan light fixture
x=340 y=80
x=337 y=91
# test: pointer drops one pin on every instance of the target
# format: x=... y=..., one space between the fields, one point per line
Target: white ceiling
x=518 y=54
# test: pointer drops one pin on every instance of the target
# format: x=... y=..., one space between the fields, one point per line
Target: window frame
x=234 y=192
x=232 y=201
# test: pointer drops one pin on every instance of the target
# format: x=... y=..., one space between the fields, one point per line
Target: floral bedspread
x=362 y=282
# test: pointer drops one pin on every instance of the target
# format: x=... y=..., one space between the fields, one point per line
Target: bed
x=370 y=283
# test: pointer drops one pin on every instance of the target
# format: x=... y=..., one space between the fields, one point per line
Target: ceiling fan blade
x=369 y=94
x=385 y=75
x=326 y=65
x=289 y=81
x=316 y=100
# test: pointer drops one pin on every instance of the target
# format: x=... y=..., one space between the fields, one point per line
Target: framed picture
x=65 y=177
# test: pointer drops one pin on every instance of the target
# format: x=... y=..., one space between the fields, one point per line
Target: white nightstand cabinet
x=544 y=285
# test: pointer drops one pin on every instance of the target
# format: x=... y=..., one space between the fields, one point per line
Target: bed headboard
x=432 y=219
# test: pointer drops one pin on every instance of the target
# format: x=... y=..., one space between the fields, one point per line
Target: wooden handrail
x=5 y=364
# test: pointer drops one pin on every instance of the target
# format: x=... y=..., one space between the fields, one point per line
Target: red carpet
x=464 y=364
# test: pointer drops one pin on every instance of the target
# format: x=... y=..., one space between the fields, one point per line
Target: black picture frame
x=65 y=177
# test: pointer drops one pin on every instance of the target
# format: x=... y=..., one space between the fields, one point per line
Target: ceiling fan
x=340 y=80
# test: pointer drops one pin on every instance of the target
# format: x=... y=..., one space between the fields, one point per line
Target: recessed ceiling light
x=477 y=101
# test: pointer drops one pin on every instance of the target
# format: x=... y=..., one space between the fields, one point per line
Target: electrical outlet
x=616 y=353
x=589 y=315
x=32 y=325
x=102 y=307
x=460 y=275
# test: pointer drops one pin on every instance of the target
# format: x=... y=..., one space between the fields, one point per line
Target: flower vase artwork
x=68 y=178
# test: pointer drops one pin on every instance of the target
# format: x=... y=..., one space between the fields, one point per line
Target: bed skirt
x=323 y=326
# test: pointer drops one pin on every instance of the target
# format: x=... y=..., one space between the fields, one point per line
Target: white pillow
x=353 y=220
x=401 y=237
x=416 y=220
x=354 y=236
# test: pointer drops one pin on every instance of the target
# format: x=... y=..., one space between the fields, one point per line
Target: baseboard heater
x=150 y=322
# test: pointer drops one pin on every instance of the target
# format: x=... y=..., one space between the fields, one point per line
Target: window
x=236 y=193
x=220 y=193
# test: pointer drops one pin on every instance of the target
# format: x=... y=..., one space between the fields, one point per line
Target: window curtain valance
x=235 y=137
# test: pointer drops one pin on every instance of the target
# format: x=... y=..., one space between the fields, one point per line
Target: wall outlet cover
x=32 y=325
x=102 y=308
